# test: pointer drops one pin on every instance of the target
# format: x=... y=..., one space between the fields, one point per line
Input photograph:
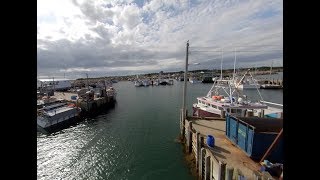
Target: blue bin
x=210 y=141
x=254 y=135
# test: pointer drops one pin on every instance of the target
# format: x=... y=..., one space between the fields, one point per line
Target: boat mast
x=255 y=69
x=271 y=69
x=234 y=64
x=234 y=71
x=221 y=63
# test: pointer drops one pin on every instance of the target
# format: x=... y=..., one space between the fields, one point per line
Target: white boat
x=56 y=113
x=194 y=80
x=138 y=83
x=246 y=82
x=271 y=86
x=170 y=81
x=145 y=82
x=225 y=96
x=222 y=98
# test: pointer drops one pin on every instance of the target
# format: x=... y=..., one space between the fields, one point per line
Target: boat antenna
x=221 y=63
x=234 y=64
x=255 y=83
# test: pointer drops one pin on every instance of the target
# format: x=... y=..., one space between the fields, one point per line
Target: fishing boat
x=138 y=83
x=245 y=82
x=146 y=82
x=225 y=96
x=218 y=101
x=271 y=86
x=194 y=80
x=56 y=113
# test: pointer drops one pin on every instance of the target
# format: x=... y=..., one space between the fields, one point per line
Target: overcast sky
x=120 y=37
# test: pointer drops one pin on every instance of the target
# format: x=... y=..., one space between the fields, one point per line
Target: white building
x=59 y=84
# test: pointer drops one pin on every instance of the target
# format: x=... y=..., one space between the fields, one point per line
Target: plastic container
x=210 y=141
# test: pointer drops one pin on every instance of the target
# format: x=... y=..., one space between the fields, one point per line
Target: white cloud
x=108 y=35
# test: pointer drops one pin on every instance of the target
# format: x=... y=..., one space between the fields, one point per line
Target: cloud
x=112 y=37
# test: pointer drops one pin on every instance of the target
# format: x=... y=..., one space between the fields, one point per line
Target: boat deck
x=58 y=110
x=224 y=150
x=64 y=95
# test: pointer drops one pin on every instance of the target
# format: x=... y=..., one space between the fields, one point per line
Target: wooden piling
x=229 y=173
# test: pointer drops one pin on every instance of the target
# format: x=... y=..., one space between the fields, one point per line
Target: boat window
x=220 y=108
x=239 y=111
x=214 y=106
x=233 y=110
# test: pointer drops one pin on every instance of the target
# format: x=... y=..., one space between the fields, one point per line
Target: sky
x=126 y=37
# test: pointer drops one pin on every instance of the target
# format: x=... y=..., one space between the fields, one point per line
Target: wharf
x=225 y=160
x=87 y=107
x=224 y=151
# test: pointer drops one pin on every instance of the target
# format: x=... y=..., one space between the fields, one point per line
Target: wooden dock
x=224 y=160
x=87 y=107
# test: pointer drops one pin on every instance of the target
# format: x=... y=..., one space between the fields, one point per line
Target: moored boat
x=56 y=113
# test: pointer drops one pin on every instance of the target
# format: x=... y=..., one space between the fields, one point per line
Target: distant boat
x=207 y=79
x=271 y=86
x=163 y=82
x=181 y=78
x=194 y=80
x=145 y=82
x=245 y=83
x=138 y=83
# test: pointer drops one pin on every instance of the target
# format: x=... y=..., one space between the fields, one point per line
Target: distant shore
x=174 y=75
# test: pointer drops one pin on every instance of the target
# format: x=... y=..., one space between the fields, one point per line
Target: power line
x=236 y=50
x=235 y=46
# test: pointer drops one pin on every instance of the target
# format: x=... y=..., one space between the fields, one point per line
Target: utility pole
x=185 y=81
x=54 y=87
x=87 y=82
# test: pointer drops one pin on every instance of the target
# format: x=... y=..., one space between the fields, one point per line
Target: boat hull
x=58 y=126
x=202 y=113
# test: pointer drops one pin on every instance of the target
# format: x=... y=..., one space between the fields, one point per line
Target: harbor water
x=134 y=140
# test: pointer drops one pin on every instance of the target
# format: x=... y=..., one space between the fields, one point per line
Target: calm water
x=135 y=140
